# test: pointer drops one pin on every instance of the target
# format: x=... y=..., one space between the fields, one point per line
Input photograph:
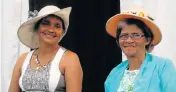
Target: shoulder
x=70 y=63
x=14 y=84
x=167 y=73
x=70 y=58
x=122 y=65
x=116 y=70
x=163 y=64
x=20 y=60
x=70 y=54
x=160 y=61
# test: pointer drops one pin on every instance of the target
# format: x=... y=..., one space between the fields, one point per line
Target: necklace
x=39 y=66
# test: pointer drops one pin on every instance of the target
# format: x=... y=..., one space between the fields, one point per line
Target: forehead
x=52 y=18
x=132 y=28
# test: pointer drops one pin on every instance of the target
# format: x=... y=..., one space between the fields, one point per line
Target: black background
x=87 y=37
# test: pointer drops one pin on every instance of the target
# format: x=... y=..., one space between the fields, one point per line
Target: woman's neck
x=49 y=49
x=135 y=62
x=45 y=48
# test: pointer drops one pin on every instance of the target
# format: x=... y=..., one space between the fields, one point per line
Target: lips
x=49 y=35
x=128 y=46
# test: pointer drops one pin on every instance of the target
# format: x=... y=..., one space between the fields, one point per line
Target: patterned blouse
x=127 y=82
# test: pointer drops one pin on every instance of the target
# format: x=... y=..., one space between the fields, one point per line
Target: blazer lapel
x=143 y=79
x=115 y=81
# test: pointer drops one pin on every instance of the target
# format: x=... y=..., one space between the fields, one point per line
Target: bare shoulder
x=20 y=60
x=19 y=63
x=73 y=72
x=70 y=54
x=14 y=85
x=22 y=56
x=70 y=58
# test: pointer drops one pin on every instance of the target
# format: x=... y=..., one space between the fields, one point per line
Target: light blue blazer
x=156 y=75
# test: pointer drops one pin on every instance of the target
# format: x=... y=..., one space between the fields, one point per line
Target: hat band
x=140 y=14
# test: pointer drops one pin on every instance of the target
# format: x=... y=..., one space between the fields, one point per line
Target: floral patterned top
x=127 y=82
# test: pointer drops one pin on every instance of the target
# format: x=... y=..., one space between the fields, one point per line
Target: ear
x=148 y=41
x=150 y=49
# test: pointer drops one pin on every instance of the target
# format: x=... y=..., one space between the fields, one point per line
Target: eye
x=123 y=36
x=137 y=35
x=58 y=25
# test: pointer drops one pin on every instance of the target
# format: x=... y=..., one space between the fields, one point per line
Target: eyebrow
x=45 y=20
x=132 y=33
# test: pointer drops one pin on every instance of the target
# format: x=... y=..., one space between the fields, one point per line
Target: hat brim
x=113 y=22
x=29 y=37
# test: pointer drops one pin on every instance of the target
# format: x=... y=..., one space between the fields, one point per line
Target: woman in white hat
x=137 y=34
x=49 y=67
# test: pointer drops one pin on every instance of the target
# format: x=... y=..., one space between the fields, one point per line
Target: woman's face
x=50 y=30
x=132 y=41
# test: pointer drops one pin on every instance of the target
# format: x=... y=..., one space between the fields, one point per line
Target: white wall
x=13 y=13
x=0 y=46
x=164 y=14
x=166 y=20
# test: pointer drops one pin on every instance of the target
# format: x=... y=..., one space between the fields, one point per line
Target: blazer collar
x=143 y=78
x=145 y=74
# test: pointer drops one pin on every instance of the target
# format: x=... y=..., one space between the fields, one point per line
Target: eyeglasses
x=134 y=36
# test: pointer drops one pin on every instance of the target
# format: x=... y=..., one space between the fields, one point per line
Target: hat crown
x=48 y=10
x=138 y=11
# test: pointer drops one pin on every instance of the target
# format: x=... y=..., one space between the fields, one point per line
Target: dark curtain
x=87 y=37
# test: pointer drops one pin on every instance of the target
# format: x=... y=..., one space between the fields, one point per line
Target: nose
x=129 y=39
x=51 y=29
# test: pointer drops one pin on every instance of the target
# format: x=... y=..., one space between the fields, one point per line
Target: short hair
x=140 y=24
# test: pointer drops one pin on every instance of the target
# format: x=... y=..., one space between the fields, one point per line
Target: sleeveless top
x=47 y=79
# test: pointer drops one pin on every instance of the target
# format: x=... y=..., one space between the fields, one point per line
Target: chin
x=130 y=53
x=50 y=41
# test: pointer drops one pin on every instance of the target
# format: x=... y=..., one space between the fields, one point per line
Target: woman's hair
x=140 y=24
x=51 y=15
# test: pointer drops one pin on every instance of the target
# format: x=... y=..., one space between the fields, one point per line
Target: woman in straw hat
x=49 y=67
x=137 y=34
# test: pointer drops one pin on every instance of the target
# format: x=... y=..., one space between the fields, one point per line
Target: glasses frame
x=134 y=36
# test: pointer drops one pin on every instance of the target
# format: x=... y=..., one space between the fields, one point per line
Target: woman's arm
x=73 y=72
x=14 y=84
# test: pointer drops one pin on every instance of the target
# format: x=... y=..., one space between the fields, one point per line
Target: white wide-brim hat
x=26 y=33
x=135 y=12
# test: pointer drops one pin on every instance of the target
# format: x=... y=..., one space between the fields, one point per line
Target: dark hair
x=51 y=15
x=140 y=24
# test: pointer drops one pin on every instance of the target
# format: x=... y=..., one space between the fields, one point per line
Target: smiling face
x=50 y=30
x=132 y=40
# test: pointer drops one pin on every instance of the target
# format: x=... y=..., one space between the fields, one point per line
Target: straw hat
x=135 y=12
x=26 y=33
